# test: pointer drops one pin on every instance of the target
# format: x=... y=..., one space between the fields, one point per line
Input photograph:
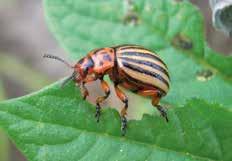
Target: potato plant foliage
x=55 y=124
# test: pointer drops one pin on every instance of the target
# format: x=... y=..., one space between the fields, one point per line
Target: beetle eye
x=85 y=71
x=81 y=61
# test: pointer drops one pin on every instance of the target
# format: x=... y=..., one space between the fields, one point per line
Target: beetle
x=132 y=67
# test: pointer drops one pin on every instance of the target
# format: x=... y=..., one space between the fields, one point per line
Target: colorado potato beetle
x=130 y=66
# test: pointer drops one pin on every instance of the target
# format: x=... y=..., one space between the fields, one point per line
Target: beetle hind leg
x=163 y=112
x=123 y=113
x=99 y=100
x=156 y=95
x=161 y=109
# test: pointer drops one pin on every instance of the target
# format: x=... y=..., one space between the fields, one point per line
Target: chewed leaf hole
x=204 y=75
x=182 y=41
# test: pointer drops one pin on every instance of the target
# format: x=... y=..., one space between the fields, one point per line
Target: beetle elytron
x=130 y=66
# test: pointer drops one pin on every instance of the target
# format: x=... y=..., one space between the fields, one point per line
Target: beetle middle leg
x=99 y=100
x=124 y=99
x=156 y=96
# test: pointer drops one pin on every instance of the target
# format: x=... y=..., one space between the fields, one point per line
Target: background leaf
x=222 y=63
x=53 y=125
x=22 y=71
x=2 y=91
x=4 y=145
x=173 y=29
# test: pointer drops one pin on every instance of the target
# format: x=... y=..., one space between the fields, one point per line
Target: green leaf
x=173 y=29
x=53 y=125
x=4 y=144
x=222 y=63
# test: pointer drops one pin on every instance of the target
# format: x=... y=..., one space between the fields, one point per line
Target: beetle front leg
x=85 y=91
x=124 y=99
x=99 y=100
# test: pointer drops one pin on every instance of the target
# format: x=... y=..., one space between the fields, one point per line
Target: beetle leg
x=147 y=92
x=161 y=109
x=85 y=91
x=124 y=99
x=156 y=95
x=99 y=100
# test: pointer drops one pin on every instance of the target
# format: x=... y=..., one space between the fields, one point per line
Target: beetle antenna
x=57 y=58
x=72 y=77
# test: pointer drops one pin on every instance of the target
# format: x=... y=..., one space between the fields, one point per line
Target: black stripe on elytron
x=106 y=57
x=147 y=63
x=141 y=70
x=146 y=55
x=133 y=80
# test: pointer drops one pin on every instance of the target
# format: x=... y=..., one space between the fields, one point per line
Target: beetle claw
x=164 y=115
x=166 y=118
x=85 y=94
x=84 y=97
x=98 y=112
x=123 y=125
x=163 y=112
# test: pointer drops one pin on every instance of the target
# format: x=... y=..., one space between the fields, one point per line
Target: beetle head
x=84 y=68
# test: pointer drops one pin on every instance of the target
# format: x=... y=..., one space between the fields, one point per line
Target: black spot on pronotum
x=182 y=41
x=204 y=75
x=101 y=63
x=87 y=65
x=107 y=58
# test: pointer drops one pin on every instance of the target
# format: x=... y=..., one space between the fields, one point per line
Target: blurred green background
x=24 y=38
